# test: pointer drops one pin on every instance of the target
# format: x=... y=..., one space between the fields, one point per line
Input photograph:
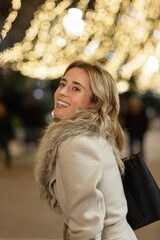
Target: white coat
x=84 y=185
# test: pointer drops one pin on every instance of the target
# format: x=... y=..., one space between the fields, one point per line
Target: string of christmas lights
x=16 y=5
x=123 y=36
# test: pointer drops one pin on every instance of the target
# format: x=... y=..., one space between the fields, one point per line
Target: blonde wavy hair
x=106 y=99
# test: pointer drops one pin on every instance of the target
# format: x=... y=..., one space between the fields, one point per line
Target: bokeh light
x=123 y=36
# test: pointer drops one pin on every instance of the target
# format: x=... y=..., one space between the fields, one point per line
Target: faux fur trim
x=46 y=156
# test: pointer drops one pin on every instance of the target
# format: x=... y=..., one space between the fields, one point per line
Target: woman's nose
x=64 y=91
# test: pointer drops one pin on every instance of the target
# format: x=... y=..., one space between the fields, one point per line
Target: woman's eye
x=61 y=84
x=76 y=89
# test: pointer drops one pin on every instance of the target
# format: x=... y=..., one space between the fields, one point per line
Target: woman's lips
x=61 y=104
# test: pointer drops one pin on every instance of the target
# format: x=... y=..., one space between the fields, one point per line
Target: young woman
x=78 y=167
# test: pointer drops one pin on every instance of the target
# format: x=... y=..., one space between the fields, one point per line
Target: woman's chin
x=59 y=113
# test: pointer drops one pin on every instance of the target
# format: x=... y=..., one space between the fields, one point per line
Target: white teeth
x=63 y=103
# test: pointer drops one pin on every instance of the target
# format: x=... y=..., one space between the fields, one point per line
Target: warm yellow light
x=12 y=16
x=120 y=35
x=122 y=86
x=73 y=22
x=50 y=5
x=27 y=46
x=16 y=4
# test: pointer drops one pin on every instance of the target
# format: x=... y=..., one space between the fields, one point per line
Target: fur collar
x=55 y=134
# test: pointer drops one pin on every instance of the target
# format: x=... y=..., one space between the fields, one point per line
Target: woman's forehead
x=77 y=74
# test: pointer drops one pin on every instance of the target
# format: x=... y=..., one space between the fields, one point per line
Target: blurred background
x=38 y=39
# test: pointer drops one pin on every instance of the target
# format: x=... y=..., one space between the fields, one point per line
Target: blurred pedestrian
x=136 y=123
x=31 y=120
x=5 y=133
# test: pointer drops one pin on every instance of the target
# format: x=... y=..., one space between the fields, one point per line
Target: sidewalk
x=24 y=217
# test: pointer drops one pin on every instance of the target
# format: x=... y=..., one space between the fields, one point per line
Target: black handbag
x=142 y=193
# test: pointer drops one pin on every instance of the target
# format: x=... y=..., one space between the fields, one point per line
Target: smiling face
x=73 y=93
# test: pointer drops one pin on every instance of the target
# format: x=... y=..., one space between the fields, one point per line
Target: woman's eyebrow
x=78 y=84
x=63 y=79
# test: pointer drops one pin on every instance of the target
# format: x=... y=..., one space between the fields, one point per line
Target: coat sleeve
x=79 y=172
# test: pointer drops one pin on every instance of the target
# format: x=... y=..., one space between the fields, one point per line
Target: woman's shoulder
x=84 y=140
x=79 y=151
x=85 y=144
